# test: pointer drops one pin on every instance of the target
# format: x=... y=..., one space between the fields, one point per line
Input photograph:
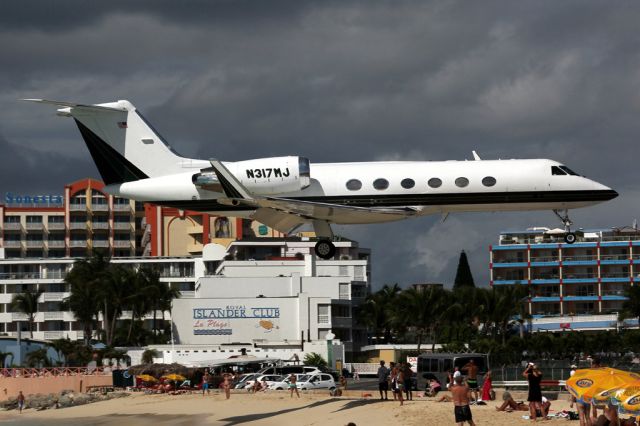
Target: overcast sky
x=340 y=81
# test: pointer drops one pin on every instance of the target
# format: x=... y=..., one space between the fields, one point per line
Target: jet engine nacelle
x=263 y=176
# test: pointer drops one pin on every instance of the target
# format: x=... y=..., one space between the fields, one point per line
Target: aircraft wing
x=286 y=214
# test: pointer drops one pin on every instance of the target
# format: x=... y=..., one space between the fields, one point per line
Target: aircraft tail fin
x=124 y=146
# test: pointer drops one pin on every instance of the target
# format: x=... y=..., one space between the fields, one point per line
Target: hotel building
x=566 y=281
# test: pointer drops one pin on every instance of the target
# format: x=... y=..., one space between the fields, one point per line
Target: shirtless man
x=293 y=386
x=460 y=395
x=472 y=378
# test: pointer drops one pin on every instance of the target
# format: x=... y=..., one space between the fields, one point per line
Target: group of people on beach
x=398 y=379
x=227 y=383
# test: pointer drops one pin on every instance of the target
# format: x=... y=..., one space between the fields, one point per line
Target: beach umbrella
x=174 y=377
x=146 y=378
x=628 y=399
x=585 y=384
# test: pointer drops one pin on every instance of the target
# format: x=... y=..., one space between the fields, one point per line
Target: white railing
x=122 y=225
x=77 y=207
x=77 y=243
x=53 y=297
x=35 y=226
x=12 y=226
x=51 y=335
x=122 y=207
x=323 y=319
x=12 y=244
x=100 y=225
x=55 y=243
x=99 y=207
x=53 y=316
x=56 y=226
x=19 y=316
x=122 y=244
x=78 y=225
x=100 y=243
x=35 y=243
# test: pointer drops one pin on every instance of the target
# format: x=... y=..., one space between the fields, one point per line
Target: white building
x=255 y=297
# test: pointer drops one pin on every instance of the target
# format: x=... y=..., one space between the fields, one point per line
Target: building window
x=34 y=219
x=354 y=185
x=12 y=219
x=489 y=181
x=434 y=183
x=343 y=291
x=221 y=226
x=407 y=183
x=461 y=182
x=380 y=184
x=323 y=314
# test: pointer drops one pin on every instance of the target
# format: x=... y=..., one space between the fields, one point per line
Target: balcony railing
x=35 y=243
x=78 y=225
x=569 y=275
x=56 y=226
x=615 y=275
x=510 y=260
x=100 y=243
x=20 y=275
x=77 y=243
x=122 y=207
x=77 y=207
x=100 y=225
x=52 y=335
x=53 y=297
x=99 y=207
x=126 y=226
x=618 y=292
x=323 y=319
x=53 y=316
x=122 y=244
x=544 y=259
x=12 y=226
x=35 y=226
x=19 y=316
x=55 y=243
x=187 y=293
x=578 y=258
x=545 y=277
x=12 y=244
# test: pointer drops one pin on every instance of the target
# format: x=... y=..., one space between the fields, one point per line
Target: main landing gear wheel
x=570 y=238
x=325 y=249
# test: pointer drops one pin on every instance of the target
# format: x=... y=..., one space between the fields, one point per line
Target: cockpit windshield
x=562 y=171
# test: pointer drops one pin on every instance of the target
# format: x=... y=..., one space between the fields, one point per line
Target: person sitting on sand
x=510 y=404
x=433 y=388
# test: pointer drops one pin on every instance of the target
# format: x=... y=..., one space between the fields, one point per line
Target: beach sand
x=263 y=409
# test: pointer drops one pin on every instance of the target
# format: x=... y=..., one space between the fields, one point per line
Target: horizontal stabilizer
x=74 y=105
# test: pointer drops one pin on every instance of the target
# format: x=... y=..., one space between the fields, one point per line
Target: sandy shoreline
x=264 y=409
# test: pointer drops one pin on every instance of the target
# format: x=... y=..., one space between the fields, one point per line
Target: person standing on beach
x=383 y=381
x=292 y=385
x=226 y=385
x=400 y=384
x=472 y=378
x=20 y=402
x=460 y=396
x=205 y=382
x=534 y=377
x=407 y=373
x=393 y=379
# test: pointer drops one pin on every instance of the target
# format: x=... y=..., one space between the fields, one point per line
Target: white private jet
x=286 y=192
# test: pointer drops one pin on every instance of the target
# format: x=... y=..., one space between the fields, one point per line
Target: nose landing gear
x=569 y=237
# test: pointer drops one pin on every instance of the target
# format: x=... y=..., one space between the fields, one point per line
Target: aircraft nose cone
x=610 y=194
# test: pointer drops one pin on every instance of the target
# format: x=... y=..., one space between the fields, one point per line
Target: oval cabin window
x=354 y=185
x=407 y=183
x=489 y=181
x=380 y=184
x=461 y=182
x=435 y=183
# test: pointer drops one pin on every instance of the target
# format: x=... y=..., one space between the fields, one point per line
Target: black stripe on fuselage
x=398 y=200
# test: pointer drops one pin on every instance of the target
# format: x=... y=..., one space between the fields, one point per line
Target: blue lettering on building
x=235 y=312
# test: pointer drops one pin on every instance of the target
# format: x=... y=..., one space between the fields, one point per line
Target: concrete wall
x=10 y=386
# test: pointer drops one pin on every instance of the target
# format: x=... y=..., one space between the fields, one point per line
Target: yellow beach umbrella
x=590 y=383
x=174 y=377
x=146 y=378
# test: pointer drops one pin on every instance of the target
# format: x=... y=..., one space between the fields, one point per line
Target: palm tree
x=27 y=303
x=140 y=300
x=148 y=355
x=631 y=306
x=376 y=312
x=38 y=358
x=420 y=309
x=166 y=294
x=314 y=359
x=113 y=297
x=85 y=280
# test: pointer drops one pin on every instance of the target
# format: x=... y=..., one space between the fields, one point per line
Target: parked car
x=268 y=378
x=317 y=381
x=284 y=383
x=289 y=369
x=242 y=381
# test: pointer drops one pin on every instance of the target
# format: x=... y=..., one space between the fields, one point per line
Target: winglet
x=230 y=184
x=476 y=156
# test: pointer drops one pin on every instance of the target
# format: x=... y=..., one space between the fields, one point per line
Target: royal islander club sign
x=232 y=319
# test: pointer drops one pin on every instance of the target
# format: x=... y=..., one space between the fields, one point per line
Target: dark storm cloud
x=346 y=81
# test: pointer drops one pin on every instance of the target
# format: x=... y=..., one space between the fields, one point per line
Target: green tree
x=631 y=306
x=376 y=313
x=64 y=347
x=420 y=309
x=314 y=359
x=27 y=303
x=38 y=358
x=86 y=279
x=164 y=300
x=113 y=295
x=463 y=273
x=148 y=355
